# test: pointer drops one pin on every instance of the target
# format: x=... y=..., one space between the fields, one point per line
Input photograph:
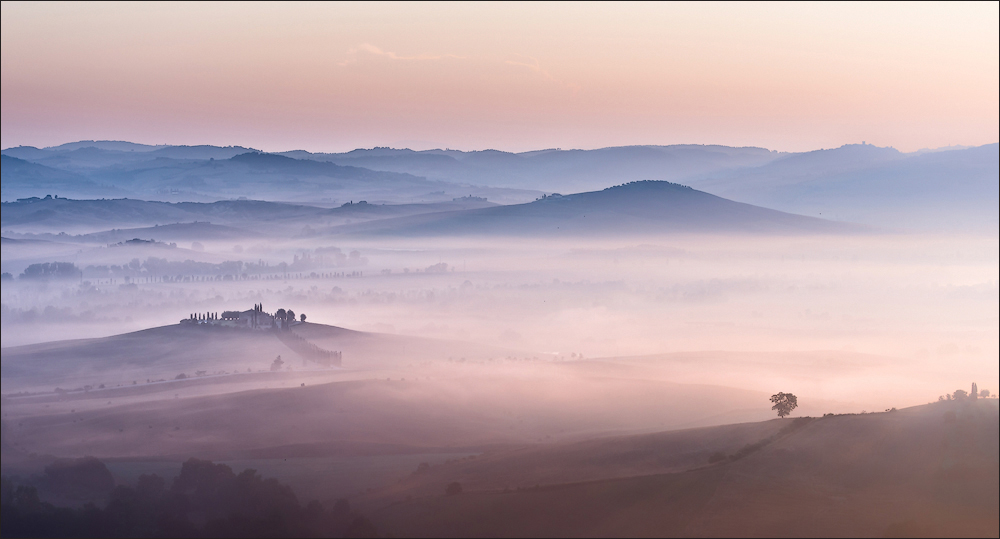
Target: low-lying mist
x=893 y=315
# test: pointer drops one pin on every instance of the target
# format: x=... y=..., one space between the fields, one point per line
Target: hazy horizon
x=438 y=269
x=508 y=76
x=416 y=147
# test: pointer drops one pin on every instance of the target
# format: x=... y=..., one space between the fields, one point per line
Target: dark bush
x=79 y=477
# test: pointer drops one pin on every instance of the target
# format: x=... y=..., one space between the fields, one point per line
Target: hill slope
x=555 y=169
x=89 y=216
x=925 y=471
x=948 y=190
x=21 y=179
x=166 y=351
x=647 y=207
x=205 y=173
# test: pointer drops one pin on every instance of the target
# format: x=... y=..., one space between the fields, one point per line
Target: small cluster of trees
x=287 y=316
x=309 y=350
x=51 y=270
x=963 y=395
x=203 y=317
x=277 y=364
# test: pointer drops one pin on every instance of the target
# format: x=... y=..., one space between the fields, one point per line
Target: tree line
x=205 y=500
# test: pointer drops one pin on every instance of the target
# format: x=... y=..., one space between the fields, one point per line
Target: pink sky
x=333 y=77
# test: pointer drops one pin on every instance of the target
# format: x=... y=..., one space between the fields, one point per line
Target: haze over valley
x=431 y=270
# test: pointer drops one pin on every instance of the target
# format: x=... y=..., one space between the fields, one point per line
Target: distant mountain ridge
x=208 y=173
x=949 y=189
x=556 y=169
x=53 y=215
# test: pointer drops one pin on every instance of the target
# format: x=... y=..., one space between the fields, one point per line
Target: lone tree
x=302 y=317
x=784 y=403
x=276 y=364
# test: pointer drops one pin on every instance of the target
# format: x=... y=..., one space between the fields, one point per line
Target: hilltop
x=164 y=352
x=647 y=207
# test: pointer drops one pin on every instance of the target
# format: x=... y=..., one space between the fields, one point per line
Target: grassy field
x=927 y=471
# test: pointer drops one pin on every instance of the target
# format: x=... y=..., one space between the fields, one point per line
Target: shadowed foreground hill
x=650 y=207
x=925 y=471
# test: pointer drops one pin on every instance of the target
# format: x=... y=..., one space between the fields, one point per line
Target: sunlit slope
x=908 y=473
x=635 y=209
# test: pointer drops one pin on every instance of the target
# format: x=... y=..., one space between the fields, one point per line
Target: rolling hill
x=21 y=179
x=207 y=173
x=925 y=471
x=554 y=169
x=166 y=351
x=953 y=190
x=54 y=215
x=637 y=208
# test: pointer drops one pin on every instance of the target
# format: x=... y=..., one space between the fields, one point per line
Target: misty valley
x=633 y=341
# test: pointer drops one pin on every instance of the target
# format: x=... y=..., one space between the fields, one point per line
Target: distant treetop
x=649 y=183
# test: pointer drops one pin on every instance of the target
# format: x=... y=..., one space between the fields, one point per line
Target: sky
x=511 y=76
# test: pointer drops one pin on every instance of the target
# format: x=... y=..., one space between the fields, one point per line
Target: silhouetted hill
x=200 y=152
x=257 y=217
x=634 y=208
x=817 y=162
x=562 y=170
x=200 y=173
x=20 y=179
x=28 y=153
x=113 y=145
x=947 y=190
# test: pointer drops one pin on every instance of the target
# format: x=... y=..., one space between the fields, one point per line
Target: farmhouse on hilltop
x=281 y=322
